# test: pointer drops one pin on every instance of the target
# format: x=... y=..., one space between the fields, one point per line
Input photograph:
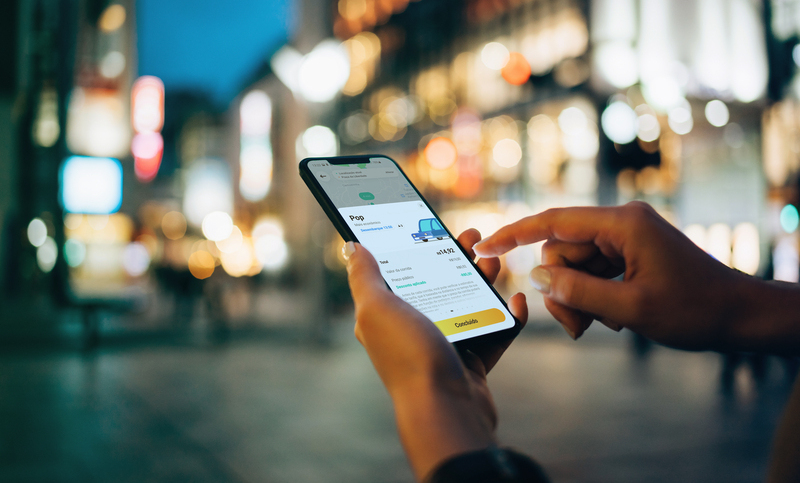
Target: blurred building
x=119 y=196
x=499 y=110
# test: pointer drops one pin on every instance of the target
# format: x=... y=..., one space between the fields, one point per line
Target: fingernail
x=570 y=332
x=540 y=279
x=348 y=250
x=478 y=246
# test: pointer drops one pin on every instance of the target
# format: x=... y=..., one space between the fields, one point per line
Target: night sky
x=209 y=45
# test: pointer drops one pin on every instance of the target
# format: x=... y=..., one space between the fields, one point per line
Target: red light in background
x=517 y=71
x=147 y=118
x=147 y=145
x=147 y=168
x=147 y=149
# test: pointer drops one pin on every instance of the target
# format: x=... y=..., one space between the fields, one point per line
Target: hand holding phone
x=370 y=200
x=441 y=399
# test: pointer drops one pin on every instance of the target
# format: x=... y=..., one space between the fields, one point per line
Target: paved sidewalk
x=263 y=411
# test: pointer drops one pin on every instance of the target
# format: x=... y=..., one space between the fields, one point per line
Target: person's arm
x=769 y=320
x=672 y=291
x=442 y=403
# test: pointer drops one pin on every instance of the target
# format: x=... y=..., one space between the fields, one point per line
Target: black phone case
x=347 y=234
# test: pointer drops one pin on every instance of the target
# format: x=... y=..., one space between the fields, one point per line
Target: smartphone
x=371 y=201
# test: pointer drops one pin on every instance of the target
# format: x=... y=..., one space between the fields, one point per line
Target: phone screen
x=418 y=258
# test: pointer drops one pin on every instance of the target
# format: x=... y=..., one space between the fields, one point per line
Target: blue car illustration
x=429 y=228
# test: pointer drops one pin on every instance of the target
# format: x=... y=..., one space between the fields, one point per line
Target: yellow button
x=470 y=321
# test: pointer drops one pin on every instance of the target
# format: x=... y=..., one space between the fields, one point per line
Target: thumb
x=584 y=292
x=363 y=274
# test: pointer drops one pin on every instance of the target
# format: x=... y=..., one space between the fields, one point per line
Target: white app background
x=420 y=271
x=383 y=210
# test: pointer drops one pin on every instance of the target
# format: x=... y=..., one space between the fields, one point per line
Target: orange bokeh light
x=517 y=71
x=441 y=153
x=201 y=264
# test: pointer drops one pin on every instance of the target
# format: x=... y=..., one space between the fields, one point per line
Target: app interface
x=418 y=259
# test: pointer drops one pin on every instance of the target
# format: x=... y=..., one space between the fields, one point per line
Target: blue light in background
x=789 y=218
x=90 y=185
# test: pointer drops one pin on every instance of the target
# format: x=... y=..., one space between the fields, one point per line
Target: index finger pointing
x=575 y=225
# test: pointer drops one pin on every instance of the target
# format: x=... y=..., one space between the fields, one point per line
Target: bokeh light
x=319 y=141
x=232 y=243
x=649 y=127
x=173 y=224
x=786 y=259
x=354 y=129
x=112 y=65
x=91 y=185
x=507 y=153
x=112 y=18
x=201 y=264
x=619 y=122
x=323 y=72
x=208 y=189
x=517 y=70
x=271 y=249
x=46 y=128
x=440 y=153
x=581 y=145
x=239 y=262
x=72 y=221
x=97 y=123
x=717 y=113
x=147 y=104
x=680 y=119
x=796 y=55
x=718 y=242
x=572 y=120
x=495 y=55
x=255 y=169
x=272 y=252
x=37 y=232
x=255 y=146
x=147 y=149
x=74 y=252
x=746 y=254
x=255 y=113
x=46 y=255
x=467 y=135
x=789 y=218
x=135 y=259
x=617 y=63
x=663 y=93
x=217 y=226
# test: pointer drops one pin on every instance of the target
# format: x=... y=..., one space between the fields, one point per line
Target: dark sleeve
x=784 y=466
x=489 y=465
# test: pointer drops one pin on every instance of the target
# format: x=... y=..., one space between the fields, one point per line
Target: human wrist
x=439 y=421
x=765 y=318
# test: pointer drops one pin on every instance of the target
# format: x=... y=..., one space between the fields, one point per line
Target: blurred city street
x=174 y=303
x=595 y=410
